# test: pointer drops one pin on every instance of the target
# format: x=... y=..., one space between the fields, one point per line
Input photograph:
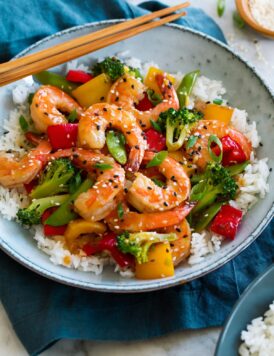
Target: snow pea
x=237 y=168
x=64 y=214
x=186 y=86
x=116 y=146
x=206 y=216
x=50 y=78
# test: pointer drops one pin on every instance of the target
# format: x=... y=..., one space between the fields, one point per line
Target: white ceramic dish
x=174 y=48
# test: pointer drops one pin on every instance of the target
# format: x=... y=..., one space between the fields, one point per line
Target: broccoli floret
x=138 y=244
x=135 y=72
x=177 y=124
x=216 y=184
x=111 y=66
x=32 y=214
x=54 y=179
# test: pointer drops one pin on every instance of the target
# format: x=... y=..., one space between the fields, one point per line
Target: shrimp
x=97 y=118
x=128 y=91
x=180 y=248
x=15 y=173
x=133 y=221
x=49 y=105
x=100 y=199
x=146 y=196
x=199 y=153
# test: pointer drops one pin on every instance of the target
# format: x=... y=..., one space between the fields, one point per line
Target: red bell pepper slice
x=155 y=140
x=144 y=104
x=63 y=135
x=78 y=76
x=29 y=186
x=227 y=221
x=109 y=243
x=52 y=230
x=232 y=151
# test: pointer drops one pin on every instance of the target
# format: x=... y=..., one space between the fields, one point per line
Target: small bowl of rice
x=249 y=330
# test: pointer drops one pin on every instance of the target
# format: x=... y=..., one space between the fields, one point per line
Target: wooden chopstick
x=45 y=63
x=75 y=48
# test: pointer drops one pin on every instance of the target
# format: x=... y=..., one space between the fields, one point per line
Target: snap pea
x=205 y=200
x=55 y=79
x=157 y=159
x=206 y=216
x=186 y=86
x=116 y=146
x=232 y=170
x=237 y=168
x=64 y=214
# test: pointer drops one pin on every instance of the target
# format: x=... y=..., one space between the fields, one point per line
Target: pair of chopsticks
x=61 y=53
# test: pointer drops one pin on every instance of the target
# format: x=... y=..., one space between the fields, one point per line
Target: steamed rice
x=258 y=339
x=252 y=182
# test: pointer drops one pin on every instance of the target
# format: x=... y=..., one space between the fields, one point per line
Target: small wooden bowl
x=245 y=13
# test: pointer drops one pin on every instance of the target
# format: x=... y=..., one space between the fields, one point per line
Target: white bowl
x=174 y=48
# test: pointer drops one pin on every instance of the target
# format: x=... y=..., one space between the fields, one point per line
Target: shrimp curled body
x=97 y=118
x=100 y=199
x=15 y=173
x=133 y=221
x=146 y=196
x=128 y=91
x=49 y=105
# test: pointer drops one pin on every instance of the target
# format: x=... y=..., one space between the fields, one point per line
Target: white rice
x=59 y=255
x=253 y=182
x=11 y=200
x=239 y=121
x=203 y=244
x=258 y=339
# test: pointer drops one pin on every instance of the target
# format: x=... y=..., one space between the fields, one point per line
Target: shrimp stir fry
x=125 y=170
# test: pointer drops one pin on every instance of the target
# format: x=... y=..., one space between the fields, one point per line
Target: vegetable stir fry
x=123 y=166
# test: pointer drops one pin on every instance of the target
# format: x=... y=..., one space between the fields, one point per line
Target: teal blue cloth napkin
x=42 y=311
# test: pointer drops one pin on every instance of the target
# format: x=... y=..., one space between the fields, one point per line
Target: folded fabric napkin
x=42 y=311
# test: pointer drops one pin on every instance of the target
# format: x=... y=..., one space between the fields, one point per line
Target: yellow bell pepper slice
x=94 y=91
x=80 y=226
x=218 y=112
x=150 y=79
x=159 y=265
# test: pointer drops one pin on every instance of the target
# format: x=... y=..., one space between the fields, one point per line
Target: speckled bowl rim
x=155 y=284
